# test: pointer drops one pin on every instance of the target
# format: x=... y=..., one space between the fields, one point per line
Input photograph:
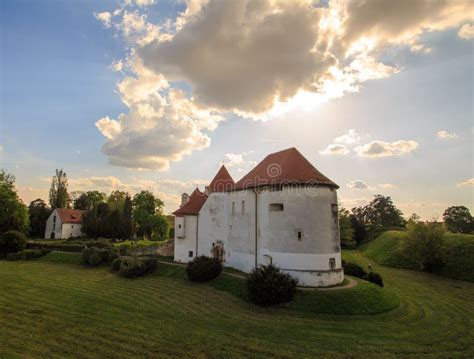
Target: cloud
x=256 y=59
x=233 y=160
x=104 y=17
x=467 y=183
x=350 y=138
x=359 y=184
x=1 y=149
x=466 y=32
x=446 y=135
x=386 y=149
x=387 y=186
x=335 y=149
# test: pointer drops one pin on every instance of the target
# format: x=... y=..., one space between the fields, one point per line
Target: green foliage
x=134 y=267
x=203 y=269
x=38 y=215
x=103 y=222
x=424 y=246
x=375 y=278
x=93 y=256
x=27 y=254
x=64 y=246
x=354 y=270
x=345 y=229
x=116 y=263
x=58 y=194
x=116 y=200
x=89 y=200
x=147 y=216
x=12 y=242
x=14 y=214
x=267 y=285
x=458 y=219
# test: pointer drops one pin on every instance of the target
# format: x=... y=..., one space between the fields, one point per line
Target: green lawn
x=57 y=310
x=458 y=253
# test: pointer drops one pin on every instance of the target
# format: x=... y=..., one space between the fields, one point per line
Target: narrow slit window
x=275 y=207
x=243 y=207
x=233 y=208
x=332 y=263
x=299 y=234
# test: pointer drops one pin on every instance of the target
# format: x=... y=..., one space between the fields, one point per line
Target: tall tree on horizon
x=58 y=194
x=39 y=213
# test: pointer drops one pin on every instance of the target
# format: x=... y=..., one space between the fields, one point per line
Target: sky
x=156 y=95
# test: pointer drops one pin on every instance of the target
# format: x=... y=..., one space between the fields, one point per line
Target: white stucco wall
x=309 y=210
x=186 y=242
x=71 y=230
x=52 y=227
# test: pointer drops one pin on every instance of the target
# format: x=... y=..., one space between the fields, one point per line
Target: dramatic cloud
x=468 y=183
x=335 y=150
x=446 y=135
x=386 y=149
x=238 y=160
x=466 y=32
x=359 y=184
x=256 y=59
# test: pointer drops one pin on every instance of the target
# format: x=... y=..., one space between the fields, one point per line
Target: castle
x=284 y=211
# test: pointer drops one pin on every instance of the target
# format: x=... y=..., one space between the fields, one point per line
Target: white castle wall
x=185 y=243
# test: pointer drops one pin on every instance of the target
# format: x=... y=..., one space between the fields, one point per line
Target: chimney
x=184 y=199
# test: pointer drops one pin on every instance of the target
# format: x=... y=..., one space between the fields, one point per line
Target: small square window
x=275 y=207
x=72 y=226
x=299 y=234
x=190 y=254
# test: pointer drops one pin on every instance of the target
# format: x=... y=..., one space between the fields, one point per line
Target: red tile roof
x=70 y=215
x=194 y=204
x=284 y=167
x=222 y=182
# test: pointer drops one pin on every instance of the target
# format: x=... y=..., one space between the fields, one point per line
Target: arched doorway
x=218 y=251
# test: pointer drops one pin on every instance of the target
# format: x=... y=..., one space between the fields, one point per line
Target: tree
x=458 y=219
x=382 y=213
x=358 y=224
x=147 y=210
x=88 y=200
x=13 y=213
x=116 y=200
x=127 y=217
x=424 y=245
x=345 y=228
x=414 y=219
x=58 y=195
x=39 y=213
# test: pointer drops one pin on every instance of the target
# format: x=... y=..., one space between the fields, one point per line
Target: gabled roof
x=70 y=215
x=222 y=182
x=194 y=204
x=284 y=167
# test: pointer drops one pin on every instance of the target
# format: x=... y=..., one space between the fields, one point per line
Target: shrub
x=267 y=285
x=375 y=278
x=203 y=269
x=354 y=270
x=62 y=247
x=92 y=256
x=12 y=242
x=137 y=267
x=27 y=254
x=116 y=264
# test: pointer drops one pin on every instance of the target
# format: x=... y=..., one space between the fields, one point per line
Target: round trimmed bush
x=95 y=258
x=203 y=269
x=12 y=242
x=137 y=267
x=116 y=264
x=267 y=285
x=375 y=278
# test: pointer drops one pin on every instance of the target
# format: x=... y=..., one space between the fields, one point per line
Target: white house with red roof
x=64 y=223
x=284 y=211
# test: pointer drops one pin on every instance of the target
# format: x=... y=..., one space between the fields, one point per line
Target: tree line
x=117 y=216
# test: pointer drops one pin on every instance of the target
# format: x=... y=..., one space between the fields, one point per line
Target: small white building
x=284 y=211
x=64 y=223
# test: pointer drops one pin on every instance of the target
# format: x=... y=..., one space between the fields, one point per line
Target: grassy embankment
x=53 y=310
x=458 y=253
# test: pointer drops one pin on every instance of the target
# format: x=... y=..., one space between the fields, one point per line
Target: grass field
x=55 y=310
x=458 y=253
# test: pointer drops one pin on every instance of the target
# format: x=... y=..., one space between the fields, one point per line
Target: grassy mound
x=458 y=253
x=366 y=298
x=97 y=314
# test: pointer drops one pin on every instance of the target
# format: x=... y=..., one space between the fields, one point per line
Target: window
x=72 y=226
x=334 y=208
x=179 y=226
x=299 y=234
x=274 y=207
x=190 y=254
x=243 y=207
x=54 y=219
x=332 y=263
x=233 y=208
